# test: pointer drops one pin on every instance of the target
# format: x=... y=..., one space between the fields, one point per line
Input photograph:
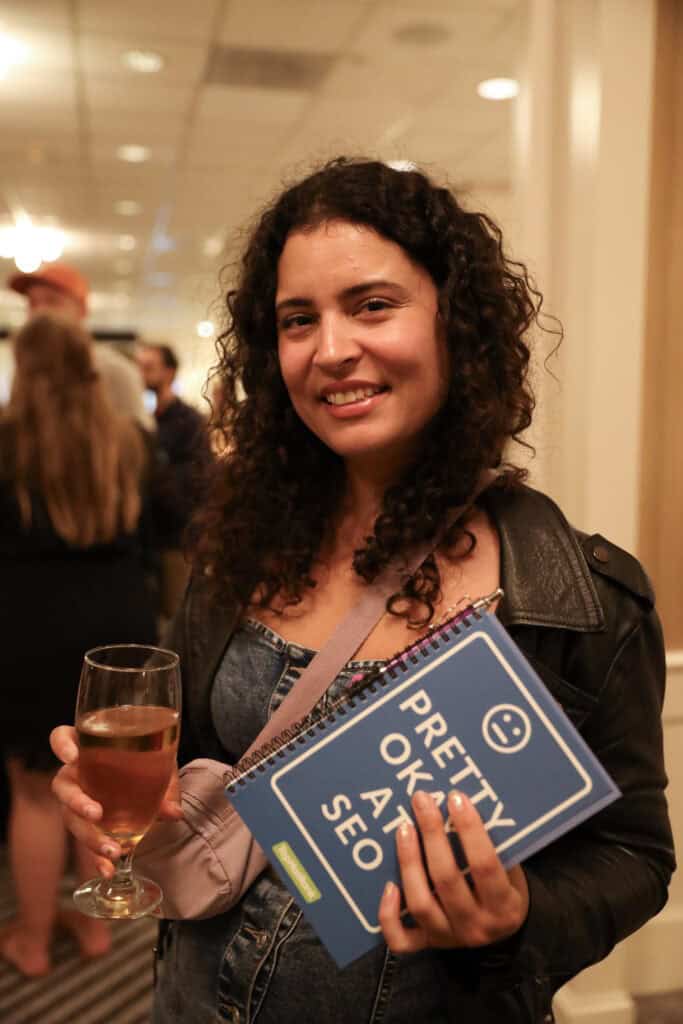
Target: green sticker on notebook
x=298 y=874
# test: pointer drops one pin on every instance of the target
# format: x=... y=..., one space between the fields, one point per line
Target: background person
x=60 y=288
x=72 y=474
x=183 y=439
x=379 y=333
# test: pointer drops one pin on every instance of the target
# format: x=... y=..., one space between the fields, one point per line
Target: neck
x=364 y=490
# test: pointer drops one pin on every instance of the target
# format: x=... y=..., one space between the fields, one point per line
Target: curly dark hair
x=274 y=493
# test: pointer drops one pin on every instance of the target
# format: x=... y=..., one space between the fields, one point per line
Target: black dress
x=56 y=602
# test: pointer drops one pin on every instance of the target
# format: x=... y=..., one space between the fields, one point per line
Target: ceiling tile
x=29 y=90
x=210 y=144
x=344 y=126
x=133 y=94
x=425 y=33
x=120 y=128
x=223 y=104
x=55 y=13
x=314 y=26
x=149 y=20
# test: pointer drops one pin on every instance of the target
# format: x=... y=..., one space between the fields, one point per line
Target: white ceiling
x=399 y=82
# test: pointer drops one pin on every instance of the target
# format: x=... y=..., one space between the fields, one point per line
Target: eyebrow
x=296 y=302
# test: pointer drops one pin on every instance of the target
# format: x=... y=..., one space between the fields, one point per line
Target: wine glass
x=127 y=721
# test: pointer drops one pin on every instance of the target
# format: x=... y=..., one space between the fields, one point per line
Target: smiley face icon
x=506 y=728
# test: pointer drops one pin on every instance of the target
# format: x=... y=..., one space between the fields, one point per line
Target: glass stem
x=122 y=885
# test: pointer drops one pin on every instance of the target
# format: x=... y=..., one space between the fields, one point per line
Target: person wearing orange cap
x=60 y=288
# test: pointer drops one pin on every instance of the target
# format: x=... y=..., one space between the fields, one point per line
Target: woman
x=71 y=473
x=378 y=332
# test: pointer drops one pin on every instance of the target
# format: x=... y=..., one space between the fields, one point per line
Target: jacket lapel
x=544 y=576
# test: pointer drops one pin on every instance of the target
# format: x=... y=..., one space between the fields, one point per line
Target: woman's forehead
x=339 y=248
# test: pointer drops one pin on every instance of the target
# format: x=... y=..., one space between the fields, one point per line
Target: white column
x=582 y=163
x=582 y=152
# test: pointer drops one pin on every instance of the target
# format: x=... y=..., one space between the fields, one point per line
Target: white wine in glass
x=127 y=721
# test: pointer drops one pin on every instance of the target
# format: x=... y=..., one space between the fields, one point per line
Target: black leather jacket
x=583 y=612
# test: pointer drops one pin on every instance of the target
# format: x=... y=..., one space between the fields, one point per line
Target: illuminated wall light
x=205 y=328
x=145 y=62
x=133 y=154
x=12 y=52
x=27 y=260
x=51 y=243
x=29 y=246
x=128 y=207
x=498 y=89
x=127 y=243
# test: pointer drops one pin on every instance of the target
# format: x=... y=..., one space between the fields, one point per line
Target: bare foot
x=21 y=950
x=93 y=936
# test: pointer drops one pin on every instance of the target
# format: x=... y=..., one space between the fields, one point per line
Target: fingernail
x=422 y=800
x=405 y=831
x=456 y=802
x=92 y=812
x=389 y=890
x=109 y=851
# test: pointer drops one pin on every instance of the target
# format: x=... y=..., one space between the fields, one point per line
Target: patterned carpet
x=115 y=989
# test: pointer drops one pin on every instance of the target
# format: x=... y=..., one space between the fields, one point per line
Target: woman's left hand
x=453 y=913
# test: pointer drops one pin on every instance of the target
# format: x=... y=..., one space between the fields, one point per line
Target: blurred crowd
x=95 y=495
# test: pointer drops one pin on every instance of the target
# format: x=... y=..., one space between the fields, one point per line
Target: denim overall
x=261 y=963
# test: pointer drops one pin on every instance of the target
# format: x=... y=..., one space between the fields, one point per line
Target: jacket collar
x=544 y=575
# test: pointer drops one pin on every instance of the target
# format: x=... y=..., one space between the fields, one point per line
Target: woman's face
x=360 y=350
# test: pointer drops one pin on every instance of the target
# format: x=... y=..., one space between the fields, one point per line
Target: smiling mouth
x=348 y=397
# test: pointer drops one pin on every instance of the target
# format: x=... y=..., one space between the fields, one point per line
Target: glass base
x=96 y=899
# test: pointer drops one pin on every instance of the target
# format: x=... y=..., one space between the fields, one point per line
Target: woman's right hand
x=82 y=814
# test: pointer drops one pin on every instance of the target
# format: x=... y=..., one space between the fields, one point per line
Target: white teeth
x=345 y=397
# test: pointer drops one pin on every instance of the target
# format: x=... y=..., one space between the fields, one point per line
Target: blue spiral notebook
x=462 y=708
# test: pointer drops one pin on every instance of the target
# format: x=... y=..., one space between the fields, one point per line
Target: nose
x=336 y=345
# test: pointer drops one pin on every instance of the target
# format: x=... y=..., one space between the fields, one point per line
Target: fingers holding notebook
x=449 y=909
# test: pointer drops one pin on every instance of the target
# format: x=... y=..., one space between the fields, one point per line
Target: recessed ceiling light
x=127 y=207
x=133 y=154
x=498 y=88
x=127 y=242
x=205 y=328
x=146 y=62
x=213 y=246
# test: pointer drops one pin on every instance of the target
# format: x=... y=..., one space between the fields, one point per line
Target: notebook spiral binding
x=317 y=720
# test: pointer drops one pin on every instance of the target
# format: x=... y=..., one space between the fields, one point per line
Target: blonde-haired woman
x=73 y=576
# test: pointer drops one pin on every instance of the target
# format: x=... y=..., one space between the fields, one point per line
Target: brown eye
x=296 y=320
x=375 y=305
